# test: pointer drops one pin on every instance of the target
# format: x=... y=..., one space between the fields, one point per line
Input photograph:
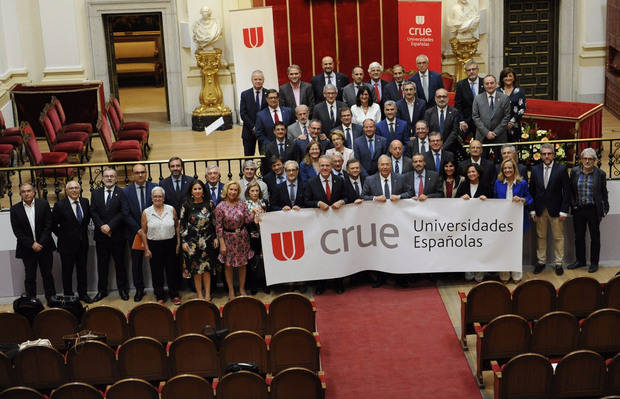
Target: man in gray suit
x=384 y=185
x=301 y=125
x=349 y=93
x=296 y=92
x=491 y=113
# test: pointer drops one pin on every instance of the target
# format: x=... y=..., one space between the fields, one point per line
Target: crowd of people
x=343 y=143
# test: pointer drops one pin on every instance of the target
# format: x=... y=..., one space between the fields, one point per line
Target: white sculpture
x=463 y=20
x=206 y=30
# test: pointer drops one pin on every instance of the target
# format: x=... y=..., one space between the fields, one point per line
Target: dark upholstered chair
x=533 y=298
x=194 y=354
x=298 y=383
x=580 y=374
x=580 y=296
x=40 y=367
x=92 y=362
x=133 y=388
x=193 y=315
x=245 y=313
x=15 y=328
x=152 y=320
x=186 y=386
x=76 y=390
x=242 y=384
x=531 y=367
x=53 y=324
x=600 y=332
x=21 y=393
x=291 y=310
x=244 y=346
x=293 y=347
x=555 y=334
x=109 y=321
x=143 y=357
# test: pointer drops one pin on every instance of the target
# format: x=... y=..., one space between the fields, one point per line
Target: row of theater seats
x=94 y=362
x=579 y=374
x=298 y=383
x=531 y=299
x=554 y=335
x=157 y=321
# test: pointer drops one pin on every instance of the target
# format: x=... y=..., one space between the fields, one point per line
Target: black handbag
x=217 y=336
x=69 y=302
x=241 y=366
x=28 y=307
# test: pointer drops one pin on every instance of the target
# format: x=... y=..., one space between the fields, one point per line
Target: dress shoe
x=124 y=295
x=559 y=270
x=319 y=290
x=100 y=295
x=593 y=268
x=575 y=265
x=86 y=299
x=539 y=267
x=139 y=295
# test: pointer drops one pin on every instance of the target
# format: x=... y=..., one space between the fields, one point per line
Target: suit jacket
x=488 y=171
x=248 y=110
x=360 y=148
x=272 y=182
x=318 y=82
x=112 y=215
x=522 y=170
x=349 y=96
x=556 y=197
x=218 y=192
x=433 y=187
x=520 y=190
x=314 y=192
x=373 y=186
x=306 y=96
x=321 y=112
x=450 y=125
x=401 y=131
x=390 y=92
x=405 y=164
x=131 y=207
x=294 y=130
x=429 y=158
x=300 y=147
x=485 y=122
x=356 y=131
x=413 y=146
x=351 y=188
x=176 y=198
x=281 y=196
x=402 y=112
x=69 y=231
x=23 y=232
x=382 y=91
x=464 y=99
x=264 y=124
x=599 y=190
x=434 y=82
x=483 y=189
x=272 y=149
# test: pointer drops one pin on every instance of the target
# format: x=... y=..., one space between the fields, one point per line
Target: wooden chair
x=64 y=142
x=143 y=357
x=531 y=367
x=504 y=337
x=613 y=375
x=133 y=388
x=293 y=347
x=75 y=126
x=600 y=332
x=245 y=313
x=121 y=150
x=580 y=374
x=109 y=321
x=7 y=372
x=21 y=393
x=194 y=354
x=53 y=324
x=186 y=386
x=244 y=346
x=242 y=385
x=152 y=320
x=128 y=125
x=555 y=334
x=76 y=390
x=291 y=310
x=580 y=296
x=92 y=362
x=483 y=303
x=533 y=298
x=298 y=383
x=612 y=293
x=15 y=328
x=40 y=367
x=193 y=315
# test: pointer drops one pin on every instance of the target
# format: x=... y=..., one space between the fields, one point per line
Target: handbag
x=36 y=342
x=72 y=340
x=215 y=335
x=28 y=307
x=69 y=302
x=241 y=366
x=138 y=244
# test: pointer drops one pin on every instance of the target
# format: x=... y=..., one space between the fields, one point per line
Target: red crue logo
x=288 y=245
x=253 y=37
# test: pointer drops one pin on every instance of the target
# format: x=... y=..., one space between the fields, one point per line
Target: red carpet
x=391 y=343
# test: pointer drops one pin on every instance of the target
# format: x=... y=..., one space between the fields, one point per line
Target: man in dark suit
x=436 y=157
x=300 y=126
x=418 y=143
x=369 y=147
x=394 y=89
x=550 y=189
x=391 y=127
x=282 y=147
x=351 y=130
x=590 y=205
x=276 y=175
x=475 y=156
x=384 y=185
x=252 y=101
x=491 y=113
x=426 y=81
x=71 y=217
x=137 y=198
x=267 y=117
x=213 y=185
x=176 y=185
x=400 y=163
x=509 y=151
x=110 y=237
x=445 y=119
x=328 y=76
x=290 y=194
x=411 y=108
x=328 y=111
x=423 y=183
x=354 y=179
x=31 y=221
x=296 y=92
x=349 y=93
x=377 y=85
x=314 y=134
x=466 y=90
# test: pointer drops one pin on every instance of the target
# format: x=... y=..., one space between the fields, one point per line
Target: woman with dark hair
x=364 y=107
x=309 y=166
x=256 y=269
x=451 y=179
x=198 y=239
x=509 y=85
x=473 y=187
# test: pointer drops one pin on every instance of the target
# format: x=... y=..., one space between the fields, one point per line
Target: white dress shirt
x=30 y=214
x=389 y=182
x=278 y=111
x=359 y=116
x=472 y=189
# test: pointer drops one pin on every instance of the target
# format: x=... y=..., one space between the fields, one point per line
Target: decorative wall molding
x=64 y=73
x=8 y=80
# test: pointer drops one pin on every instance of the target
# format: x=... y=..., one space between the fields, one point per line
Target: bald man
x=328 y=76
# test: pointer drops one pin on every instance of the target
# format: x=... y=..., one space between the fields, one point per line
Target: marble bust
x=463 y=20
x=206 y=30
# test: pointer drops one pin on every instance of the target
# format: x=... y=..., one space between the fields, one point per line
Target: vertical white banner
x=253 y=47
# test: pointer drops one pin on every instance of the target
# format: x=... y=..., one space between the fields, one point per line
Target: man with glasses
x=252 y=101
x=445 y=119
x=328 y=111
x=466 y=90
x=437 y=156
x=289 y=194
x=213 y=184
x=491 y=113
x=589 y=205
x=268 y=117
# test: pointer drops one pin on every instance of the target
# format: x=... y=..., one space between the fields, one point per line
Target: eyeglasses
x=440 y=96
x=587 y=159
x=290 y=170
x=471 y=69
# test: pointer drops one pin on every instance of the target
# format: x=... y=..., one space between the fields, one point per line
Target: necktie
x=331 y=113
x=142 y=200
x=396 y=167
x=392 y=130
x=349 y=138
x=305 y=130
x=547 y=173
x=280 y=179
x=441 y=120
x=177 y=186
x=357 y=87
x=281 y=148
x=400 y=90
x=421 y=185
x=423 y=147
x=491 y=105
x=275 y=116
x=213 y=195
x=386 y=189
x=473 y=88
x=371 y=148
x=437 y=162
x=377 y=93
x=425 y=87
x=108 y=198
x=257 y=99
x=291 y=192
x=328 y=192
x=357 y=187
x=329 y=79
x=78 y=211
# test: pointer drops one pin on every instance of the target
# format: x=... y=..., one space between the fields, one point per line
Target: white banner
x=437 y=235
x=253 y=46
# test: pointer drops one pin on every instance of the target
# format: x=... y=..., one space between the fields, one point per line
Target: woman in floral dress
x=509 y=85
x=198 y=238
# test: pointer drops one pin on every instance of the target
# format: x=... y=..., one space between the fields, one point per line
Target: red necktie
x=421 y=186
x=377 y=94
x=400 y=90
x=275 y=115
x=328 y=192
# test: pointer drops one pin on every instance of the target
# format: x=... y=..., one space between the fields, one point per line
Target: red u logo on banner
x=253 y=37
x=288 y=245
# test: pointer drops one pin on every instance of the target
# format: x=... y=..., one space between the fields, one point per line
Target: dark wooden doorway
x=531 y=45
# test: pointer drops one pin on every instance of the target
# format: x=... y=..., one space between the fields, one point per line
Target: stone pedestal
x=464 y=50
x=211 y=107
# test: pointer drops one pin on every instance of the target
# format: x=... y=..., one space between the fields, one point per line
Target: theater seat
x=127 y=130
x=37 y=158
x=119 y=151
x=61 y=143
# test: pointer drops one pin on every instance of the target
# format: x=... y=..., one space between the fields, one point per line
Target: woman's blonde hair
x=515 y=167
x=227 y=186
